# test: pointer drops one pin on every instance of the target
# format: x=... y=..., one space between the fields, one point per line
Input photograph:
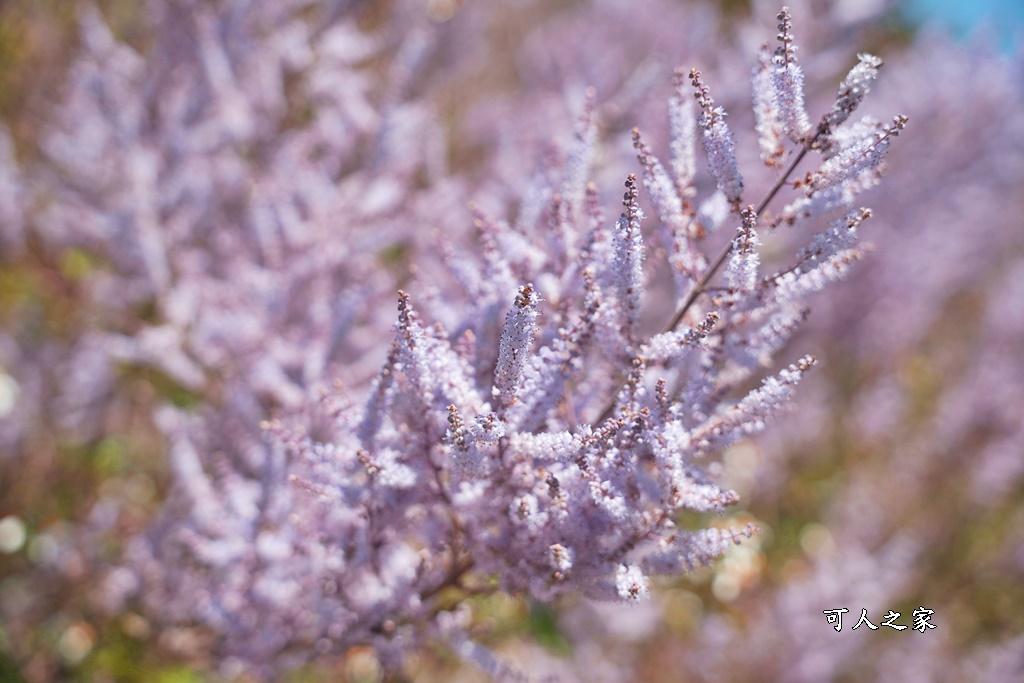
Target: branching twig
x=702 y=284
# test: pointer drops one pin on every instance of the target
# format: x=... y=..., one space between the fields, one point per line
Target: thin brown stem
x=460 y=568
x=702 y=284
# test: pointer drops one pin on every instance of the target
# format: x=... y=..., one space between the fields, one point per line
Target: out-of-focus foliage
x=207 y=209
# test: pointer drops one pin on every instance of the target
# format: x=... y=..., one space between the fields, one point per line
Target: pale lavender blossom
x=787 y=83
x=742 y=269
x=851 y=93
x=540 y=416
x=549 y=492
x=719 y=145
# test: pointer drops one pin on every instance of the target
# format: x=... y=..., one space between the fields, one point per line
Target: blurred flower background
x=206 y=208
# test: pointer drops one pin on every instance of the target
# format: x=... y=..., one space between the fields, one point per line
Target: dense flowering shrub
x=898 y=482
x=196 y=181
x=914 y=435
x=548 y=400
x=537 y=433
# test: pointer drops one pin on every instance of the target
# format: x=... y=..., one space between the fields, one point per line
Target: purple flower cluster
x=250 y=191
x=536 y=434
